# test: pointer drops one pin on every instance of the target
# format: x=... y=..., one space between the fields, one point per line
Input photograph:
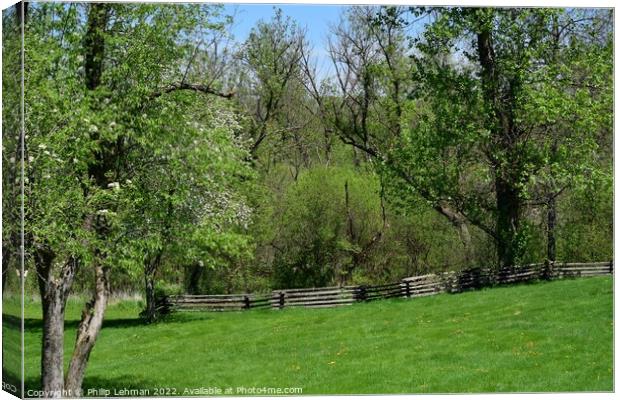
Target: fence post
x=408 y=288
x=548 y=272
x=361 y=293
x=246 y=302
x=552 y=270
x=281 y=300
x=611 y=267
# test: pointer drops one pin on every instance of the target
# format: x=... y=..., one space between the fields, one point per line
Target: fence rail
x=410 y=287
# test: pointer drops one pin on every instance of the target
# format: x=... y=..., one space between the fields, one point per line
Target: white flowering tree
x=127 y=153
x=185 y=204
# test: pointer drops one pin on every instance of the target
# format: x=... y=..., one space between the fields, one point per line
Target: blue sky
x=316 y=18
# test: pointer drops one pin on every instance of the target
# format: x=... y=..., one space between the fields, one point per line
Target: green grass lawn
x=554 y=336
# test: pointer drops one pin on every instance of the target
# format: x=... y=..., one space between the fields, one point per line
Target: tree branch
x=189 y=86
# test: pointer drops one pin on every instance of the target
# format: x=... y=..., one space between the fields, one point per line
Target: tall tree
x=109 y=63
x=477 y=143
x=186 y=205
x=369 y=100
x=271 y=57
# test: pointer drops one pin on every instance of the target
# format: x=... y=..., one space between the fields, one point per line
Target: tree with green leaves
x=185 y=204
x=478 y=144
x=331 y=220
x=369 y=102
x=271 y=59
x=95 y=75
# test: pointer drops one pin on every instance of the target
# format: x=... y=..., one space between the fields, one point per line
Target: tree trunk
x=88 y=330
x=551 y=218
x=52 y=344
x=52 y=352
x=501 y=101
x=551 y=207
x=195 y=273
x=94 y=44
x=54 y=293
x=149 y=289
x=150 y=267
x=6 y=258
x=507 y=224
x=150 y=311
x=92 y=316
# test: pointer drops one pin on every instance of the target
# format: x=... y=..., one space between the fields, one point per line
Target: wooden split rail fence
x=416 y=286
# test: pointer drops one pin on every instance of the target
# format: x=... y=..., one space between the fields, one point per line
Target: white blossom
x=42 y=146
x=114 y=185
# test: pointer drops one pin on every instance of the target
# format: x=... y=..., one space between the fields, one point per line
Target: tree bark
x=6 y=258
x=52 y=344
x=88 y=330
x=551 y=196
x=551 y=220
x=507 y=225
x=52 y=352
x=149 y=288
x=501 y=102
x=92 y=316
x=150 y=312
x=94 y=44
x=54 y=293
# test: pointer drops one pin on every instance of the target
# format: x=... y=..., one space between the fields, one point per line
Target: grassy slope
x=542 y=337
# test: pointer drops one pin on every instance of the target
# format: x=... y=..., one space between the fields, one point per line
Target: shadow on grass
x=36 y=324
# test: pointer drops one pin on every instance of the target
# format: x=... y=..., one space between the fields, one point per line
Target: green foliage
x=586 y=223
x=185 y=199
x=314 y=244
x=167 y=289
x=178 y=166
x=456 y=149
x=256 y=185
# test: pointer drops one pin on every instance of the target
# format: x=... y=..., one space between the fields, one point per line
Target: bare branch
x=189 y=86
